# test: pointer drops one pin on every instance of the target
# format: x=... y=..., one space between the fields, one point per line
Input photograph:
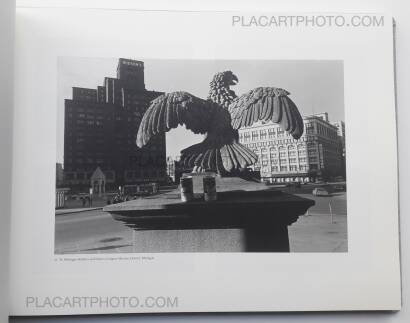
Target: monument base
x=259 y=216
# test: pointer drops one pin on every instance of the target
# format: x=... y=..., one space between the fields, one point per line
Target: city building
x=317 y=155
x=59 y=175
x=340 y=125
x=100 y=131
x=175 y=169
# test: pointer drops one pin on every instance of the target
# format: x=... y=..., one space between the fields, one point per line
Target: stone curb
x=78 y=211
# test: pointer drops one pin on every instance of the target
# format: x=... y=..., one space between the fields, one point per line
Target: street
x=319 y=231
x=94 y=231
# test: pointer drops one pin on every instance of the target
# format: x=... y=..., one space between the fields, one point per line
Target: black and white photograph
x=203 y=161
x=200 y=156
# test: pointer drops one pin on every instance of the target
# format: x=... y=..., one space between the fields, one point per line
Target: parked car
x=318 y=191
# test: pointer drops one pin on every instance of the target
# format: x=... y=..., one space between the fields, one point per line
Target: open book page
x=280 y=187
x=7 y=13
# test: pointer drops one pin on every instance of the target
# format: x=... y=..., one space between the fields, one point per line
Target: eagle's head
x=220 y=91
x=225 y=79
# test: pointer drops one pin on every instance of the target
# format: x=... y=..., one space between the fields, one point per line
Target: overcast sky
x=315 y=85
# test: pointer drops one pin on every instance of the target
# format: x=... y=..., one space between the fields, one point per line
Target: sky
x=315 y=85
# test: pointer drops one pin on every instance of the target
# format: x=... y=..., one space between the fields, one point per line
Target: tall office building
x=59 y=175
x=316 y=155
x=101 y=127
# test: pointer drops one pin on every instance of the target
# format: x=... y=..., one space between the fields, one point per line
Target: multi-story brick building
x=316 y=155
x=101 y=127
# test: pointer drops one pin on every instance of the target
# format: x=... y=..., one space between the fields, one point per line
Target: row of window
x=143 y=173
x=285 y=168
x=109 y=175
x=88 y=112
x=255 y=135
x=276 y=142
x=326 y=131
x=280 y=147
x=284 y=152
x=270 y=133
x=302 y=160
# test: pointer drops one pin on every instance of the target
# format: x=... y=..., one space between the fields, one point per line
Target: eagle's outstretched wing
x=172 y=109
x=266 y=104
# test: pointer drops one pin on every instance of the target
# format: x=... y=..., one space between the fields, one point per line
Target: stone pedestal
x=247 y=216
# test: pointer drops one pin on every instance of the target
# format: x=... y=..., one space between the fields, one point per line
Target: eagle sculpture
x=219 y=118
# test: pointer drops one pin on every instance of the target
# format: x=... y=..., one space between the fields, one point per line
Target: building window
x=282 y=150
x=309 y=128
x=312 y=152
x=247 y=136
x=255 y=135
x=283 y=168
x=292 y=153
x=271 y=133
x=273 y=153
x=302 y=152
x=264 y=154
x=263 y=134
x=69 y=176
x=293 y=168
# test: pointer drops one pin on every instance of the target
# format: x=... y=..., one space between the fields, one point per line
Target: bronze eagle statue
x=219 y=117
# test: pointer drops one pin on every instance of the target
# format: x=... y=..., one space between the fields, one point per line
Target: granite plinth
x=262 y=213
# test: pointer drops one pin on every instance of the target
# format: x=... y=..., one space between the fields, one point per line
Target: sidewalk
x=77 y=210
x=317 y=233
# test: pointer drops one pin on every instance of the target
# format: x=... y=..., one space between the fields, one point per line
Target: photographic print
x=200 y=156
x=170 y=171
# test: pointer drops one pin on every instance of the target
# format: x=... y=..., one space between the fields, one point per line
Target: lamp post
x=91 y=196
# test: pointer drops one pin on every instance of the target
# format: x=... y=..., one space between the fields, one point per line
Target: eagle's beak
x=234 y=80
